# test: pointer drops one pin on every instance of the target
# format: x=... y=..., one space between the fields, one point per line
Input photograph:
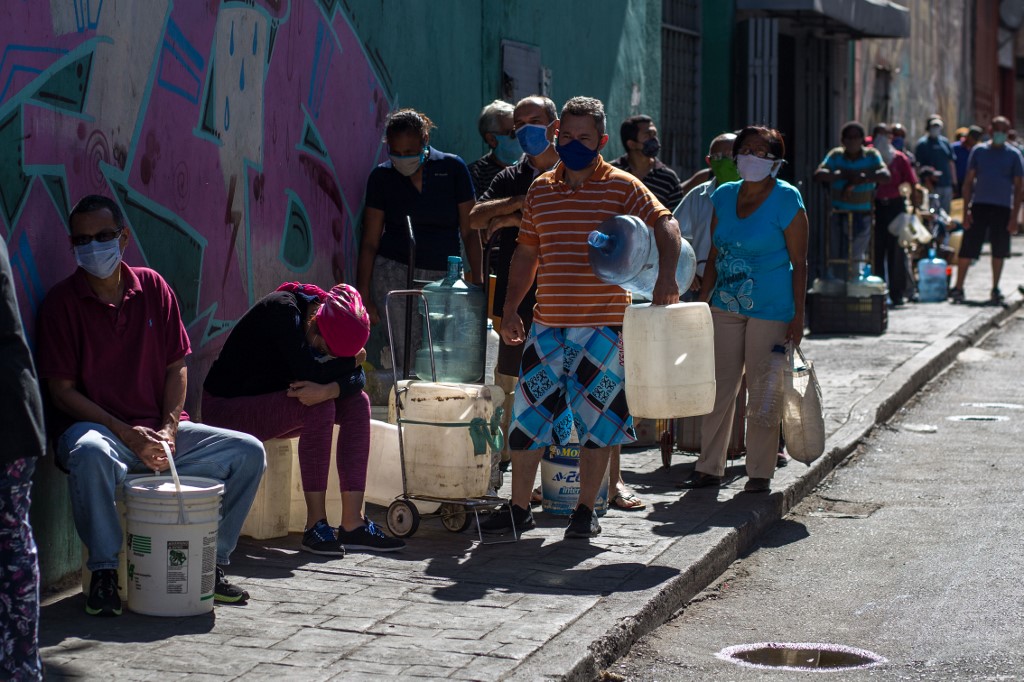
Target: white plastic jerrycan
x=669 y=355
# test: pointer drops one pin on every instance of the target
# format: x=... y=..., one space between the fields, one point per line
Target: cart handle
x=484 y=435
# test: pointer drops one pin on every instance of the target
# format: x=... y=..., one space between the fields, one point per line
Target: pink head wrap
x=343 y=321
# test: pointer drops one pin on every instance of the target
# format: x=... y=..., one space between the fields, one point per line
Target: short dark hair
x=96 y=202
x=631 y=127
x=773 y=137
x=879 y=128
x=586 y=106
x=855 y=126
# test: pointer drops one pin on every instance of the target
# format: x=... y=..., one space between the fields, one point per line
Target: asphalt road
x=912 y=550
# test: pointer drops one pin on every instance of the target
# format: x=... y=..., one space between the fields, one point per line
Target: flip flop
x=628 y=501
x=537 y=496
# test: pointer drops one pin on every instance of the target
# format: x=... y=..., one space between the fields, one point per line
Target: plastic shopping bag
x=803 y=423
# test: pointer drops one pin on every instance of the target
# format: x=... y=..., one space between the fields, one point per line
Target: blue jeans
x=98 y=463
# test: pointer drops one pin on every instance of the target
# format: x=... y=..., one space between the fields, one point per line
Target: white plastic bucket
x=172 y=565
x=669 y=355
x=560 y=481
x=440 y=460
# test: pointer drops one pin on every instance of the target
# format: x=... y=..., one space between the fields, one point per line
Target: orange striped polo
x=557 y=220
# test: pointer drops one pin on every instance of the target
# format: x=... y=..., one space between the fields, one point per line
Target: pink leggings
x=275 y=415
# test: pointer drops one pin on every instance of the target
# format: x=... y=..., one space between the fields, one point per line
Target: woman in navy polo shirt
x=435 y=191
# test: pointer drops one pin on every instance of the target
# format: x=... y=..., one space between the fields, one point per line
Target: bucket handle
x=182 y=517
x=484 y=434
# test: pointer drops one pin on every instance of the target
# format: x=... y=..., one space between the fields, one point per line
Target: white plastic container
x=560 y=481
x=172 y=565
x=384 y=468
x=670 y=360
x=440 y=460
x=270 y=512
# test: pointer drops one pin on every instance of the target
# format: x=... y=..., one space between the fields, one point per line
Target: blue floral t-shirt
x=754 y=273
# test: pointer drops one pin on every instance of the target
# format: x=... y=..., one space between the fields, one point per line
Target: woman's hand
x=795 y=331
x=310 y=393
x=361 y=356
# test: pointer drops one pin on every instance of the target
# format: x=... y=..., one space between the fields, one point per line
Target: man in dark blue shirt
x=934 y=150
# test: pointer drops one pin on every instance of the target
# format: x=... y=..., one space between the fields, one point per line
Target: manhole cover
x=799 y=656
x=978 y=418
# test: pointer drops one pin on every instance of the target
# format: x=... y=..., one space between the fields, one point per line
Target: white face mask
x=754 y=169
x=99 y=259
x=884 y=147
x=407 y=165
x=934 y=131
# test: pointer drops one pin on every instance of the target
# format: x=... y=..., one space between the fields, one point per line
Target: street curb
x=639 y=613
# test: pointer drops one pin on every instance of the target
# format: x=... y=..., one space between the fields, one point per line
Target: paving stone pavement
x=448 y=608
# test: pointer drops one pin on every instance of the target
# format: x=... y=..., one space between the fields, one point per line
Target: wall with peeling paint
x=238 y=135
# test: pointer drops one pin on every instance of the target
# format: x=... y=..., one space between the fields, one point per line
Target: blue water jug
x=622 y=251
x=457 y=329
x=932 y=282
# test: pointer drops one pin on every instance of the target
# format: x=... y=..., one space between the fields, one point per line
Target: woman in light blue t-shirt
x=756 y=293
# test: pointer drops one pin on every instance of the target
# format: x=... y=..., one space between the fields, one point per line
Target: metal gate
x=680 y=85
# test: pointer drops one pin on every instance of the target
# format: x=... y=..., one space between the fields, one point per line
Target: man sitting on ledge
x=112 y=349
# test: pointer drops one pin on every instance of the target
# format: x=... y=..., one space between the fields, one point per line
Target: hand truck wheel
x=403 y=518
x=455 y=517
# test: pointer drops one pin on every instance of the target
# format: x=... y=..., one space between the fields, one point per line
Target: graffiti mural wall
x=236 y=136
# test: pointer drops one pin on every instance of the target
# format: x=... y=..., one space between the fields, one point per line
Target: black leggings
x=890 y=257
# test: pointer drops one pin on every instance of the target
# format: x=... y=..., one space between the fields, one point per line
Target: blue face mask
x=898 y=142
x=999 y=138
x=533 y=139
x=508 y=150
x=576 y=155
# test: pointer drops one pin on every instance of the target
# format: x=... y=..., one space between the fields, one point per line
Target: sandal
x=628 y=501
x=537 y=496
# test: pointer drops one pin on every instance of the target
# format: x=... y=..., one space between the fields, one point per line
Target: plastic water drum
x=560 y=481
x=441 y=459
x=932 y=282
x=384 y=469
x=172 y=552
x=669 y=355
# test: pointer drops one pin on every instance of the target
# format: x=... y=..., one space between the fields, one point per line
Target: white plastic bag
x=803 y=423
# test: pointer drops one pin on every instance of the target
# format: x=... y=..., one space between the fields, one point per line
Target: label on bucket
x=560 y=481
x=177 y=567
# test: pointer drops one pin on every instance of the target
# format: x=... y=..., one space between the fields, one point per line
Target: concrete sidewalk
x=543 y=608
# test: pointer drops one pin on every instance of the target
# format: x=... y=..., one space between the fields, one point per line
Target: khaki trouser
x=740 y=342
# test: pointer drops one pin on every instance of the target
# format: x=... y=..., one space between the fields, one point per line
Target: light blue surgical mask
x=533 y=138
x=999 y=138
x=99 y=259
x=508 y=150
x=407 y=165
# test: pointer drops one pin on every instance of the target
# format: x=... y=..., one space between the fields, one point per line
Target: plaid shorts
x=571 y=377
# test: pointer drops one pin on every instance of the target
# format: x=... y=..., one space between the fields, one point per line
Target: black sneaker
x=583 y=523
x=956 y=295
x=996 y=298
x=320 y=539
x=103 y=597
x=368 y=537
x=226 y=593
x=500 y=522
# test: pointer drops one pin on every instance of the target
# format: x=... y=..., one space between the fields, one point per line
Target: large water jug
x=623 y=251
x=457 y=328
x=445 y=455
x=669 y=355
x=866 y=285
x=932 y=282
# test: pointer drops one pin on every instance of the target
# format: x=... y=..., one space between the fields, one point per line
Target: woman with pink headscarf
x=291 y=367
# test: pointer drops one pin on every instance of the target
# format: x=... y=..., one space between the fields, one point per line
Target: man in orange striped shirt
x=572 y=373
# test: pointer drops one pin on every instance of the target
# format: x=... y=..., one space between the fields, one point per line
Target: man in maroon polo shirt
x=112 y=350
